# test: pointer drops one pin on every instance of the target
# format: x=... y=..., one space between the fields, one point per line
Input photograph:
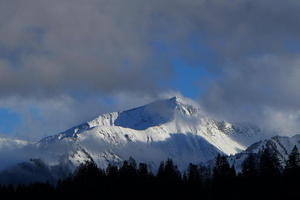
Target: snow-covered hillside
x=173 y=128
x=281 y=145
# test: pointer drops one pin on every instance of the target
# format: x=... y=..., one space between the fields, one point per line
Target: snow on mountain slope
x=174 y=128
x=281 y=145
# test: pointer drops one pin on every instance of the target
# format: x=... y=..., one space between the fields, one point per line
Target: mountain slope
x=281 y=145
x=173 y=128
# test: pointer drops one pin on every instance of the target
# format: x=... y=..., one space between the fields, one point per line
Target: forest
x=262 y=176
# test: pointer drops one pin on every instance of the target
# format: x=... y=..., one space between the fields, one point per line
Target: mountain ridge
x=170 y=128
x=174 y=128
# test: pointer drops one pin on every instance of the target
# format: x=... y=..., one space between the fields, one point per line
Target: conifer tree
x=269 y=164
x=169 y=172
x=223 y=177
x=161 y=170
x=193 y=175
x=293 y=161
x=292 y=171
x=87 y=176
x=222 y=168
x=249 y=166
x=112 y=171
x=193 y=179
x=143 y=170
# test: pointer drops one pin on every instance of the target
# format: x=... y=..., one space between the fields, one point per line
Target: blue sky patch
x=9 y=120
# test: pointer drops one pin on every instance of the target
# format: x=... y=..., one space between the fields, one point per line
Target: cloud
x=262 y=90
x=54 y=52
x=41 y=118
x=55 y=47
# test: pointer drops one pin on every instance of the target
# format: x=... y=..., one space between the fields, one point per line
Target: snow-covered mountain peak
x=140 y=118
x=184 y=106
x=179 y=100
x=170 y=128
x=143 y=117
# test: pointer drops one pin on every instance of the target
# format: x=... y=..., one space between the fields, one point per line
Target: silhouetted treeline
x=261 y=177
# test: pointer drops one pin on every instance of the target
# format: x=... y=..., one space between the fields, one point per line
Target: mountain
x=280 y=145
x=174 y=128
x=33 y=171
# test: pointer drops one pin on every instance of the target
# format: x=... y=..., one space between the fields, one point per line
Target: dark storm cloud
x=57 y=46
x=50 y=48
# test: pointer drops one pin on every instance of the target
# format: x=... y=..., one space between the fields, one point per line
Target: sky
x=64 y=62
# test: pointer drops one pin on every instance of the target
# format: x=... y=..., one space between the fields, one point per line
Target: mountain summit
x=170 y=128
x=143 y=117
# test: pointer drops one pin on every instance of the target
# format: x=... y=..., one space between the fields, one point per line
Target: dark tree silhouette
x=249 y=167
x=168 y=172
x=293 y=162
x=292 y=172
x=269 y=164
x=269 y=182
x=222 y=169
x=260 y=177
x=193 y=175
x=223 y=177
